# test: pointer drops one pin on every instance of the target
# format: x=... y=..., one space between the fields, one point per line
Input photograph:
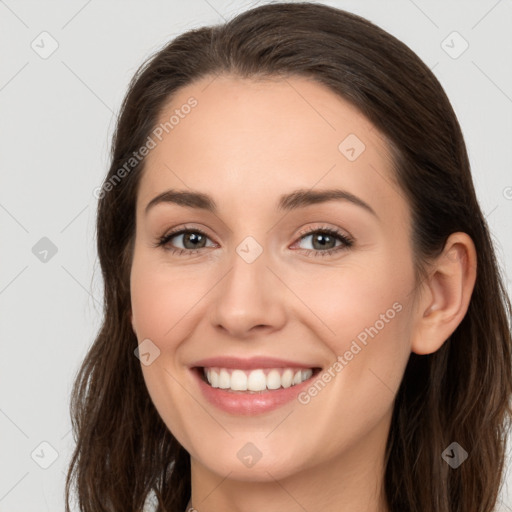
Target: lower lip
x=245 y=403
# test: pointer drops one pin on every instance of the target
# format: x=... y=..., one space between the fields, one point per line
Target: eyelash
x=347 y=241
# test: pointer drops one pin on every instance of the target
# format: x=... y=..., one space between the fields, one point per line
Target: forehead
x=265 y=136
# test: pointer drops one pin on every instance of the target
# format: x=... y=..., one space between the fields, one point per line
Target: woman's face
x=258 y=277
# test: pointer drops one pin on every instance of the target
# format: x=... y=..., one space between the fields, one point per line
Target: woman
x=235 y=368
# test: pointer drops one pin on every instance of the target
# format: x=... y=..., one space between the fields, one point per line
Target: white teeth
x=214 y=379
x=224 y=379
x=273 y=379
x=255 y=380
x=238 y=380
x=286 y=378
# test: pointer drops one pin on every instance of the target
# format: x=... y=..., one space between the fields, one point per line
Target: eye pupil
x=194 y=238
x=318 y=238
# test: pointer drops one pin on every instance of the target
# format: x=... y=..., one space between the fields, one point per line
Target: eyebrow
x=297 y=199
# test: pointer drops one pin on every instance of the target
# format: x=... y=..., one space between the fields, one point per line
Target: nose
x=249 y=299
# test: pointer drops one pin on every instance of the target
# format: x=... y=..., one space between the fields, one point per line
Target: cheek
x=359 y=301
x=151 y=305
x=365 y=313
x=159 y=298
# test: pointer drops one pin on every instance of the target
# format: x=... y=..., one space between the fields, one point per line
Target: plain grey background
x=57 y=116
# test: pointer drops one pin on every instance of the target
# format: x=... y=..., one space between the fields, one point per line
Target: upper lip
x=250 y=364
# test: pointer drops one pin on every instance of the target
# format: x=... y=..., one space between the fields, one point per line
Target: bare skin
x=245 y=144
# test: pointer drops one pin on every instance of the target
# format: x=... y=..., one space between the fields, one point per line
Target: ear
x=445 y=294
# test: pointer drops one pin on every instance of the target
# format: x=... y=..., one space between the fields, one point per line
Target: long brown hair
x=459 y=394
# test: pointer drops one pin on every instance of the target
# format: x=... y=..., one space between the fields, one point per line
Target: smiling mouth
x=260 y=380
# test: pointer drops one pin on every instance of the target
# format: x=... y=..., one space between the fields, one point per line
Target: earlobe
x=446 y=294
